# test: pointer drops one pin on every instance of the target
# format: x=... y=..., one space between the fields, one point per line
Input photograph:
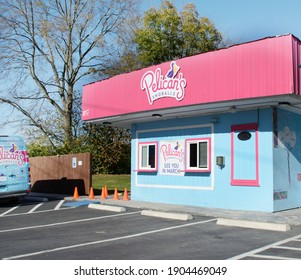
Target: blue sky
x=246 y=20
x=238 y=20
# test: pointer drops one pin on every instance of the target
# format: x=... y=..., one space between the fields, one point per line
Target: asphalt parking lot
x=58 y=230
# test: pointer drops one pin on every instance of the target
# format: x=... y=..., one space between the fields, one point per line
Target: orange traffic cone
x=103 y=193
x=75 y=195
x=91 y=194
x=106 y=190
x=116 y=194
x=125 y=194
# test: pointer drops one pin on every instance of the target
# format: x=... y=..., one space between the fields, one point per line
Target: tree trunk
x=68 y=108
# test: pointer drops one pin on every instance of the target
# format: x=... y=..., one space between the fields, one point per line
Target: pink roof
x=263 y=68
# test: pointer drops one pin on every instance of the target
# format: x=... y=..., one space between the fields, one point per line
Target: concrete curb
x=291 y=217
x=253 y=224
x=167 y=215
x=106 y=207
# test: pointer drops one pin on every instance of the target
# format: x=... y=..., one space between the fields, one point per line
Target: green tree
x=110 y=148
x=166 y=34
x=199 y=33
x=126 y=59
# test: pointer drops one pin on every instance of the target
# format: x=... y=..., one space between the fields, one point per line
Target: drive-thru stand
x=217 y=130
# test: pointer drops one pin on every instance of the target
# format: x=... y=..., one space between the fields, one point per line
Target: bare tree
x=54 y=44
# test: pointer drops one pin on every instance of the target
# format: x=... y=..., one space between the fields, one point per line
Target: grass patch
x=112 y=181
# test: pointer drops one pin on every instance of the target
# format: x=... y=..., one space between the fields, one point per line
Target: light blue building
x=219 y=130
x=262 y=173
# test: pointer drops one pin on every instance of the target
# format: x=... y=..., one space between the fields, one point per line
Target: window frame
x=190 y=141
x=147 y=144
x=245 y=181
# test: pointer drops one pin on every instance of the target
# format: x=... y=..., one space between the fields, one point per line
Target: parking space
x=50 y=230
x=30 y=206
x=287 y=249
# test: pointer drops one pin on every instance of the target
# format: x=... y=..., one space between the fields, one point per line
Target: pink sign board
x=172 y=157
x=157 y=86
x=263 y=68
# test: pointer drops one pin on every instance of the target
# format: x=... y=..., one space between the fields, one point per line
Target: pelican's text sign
x=157 y=86
x=12 y=155
x=172 y=155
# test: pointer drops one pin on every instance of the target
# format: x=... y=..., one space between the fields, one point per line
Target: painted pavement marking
x=36 y=212
x=10 y=210
x=259 y=252
x=271 y=257
x=108 y=240
x=67 y=222
x=58 y=206
x=35 y=208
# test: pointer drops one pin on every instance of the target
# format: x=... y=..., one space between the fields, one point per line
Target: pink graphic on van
x=156 y=86
x=13 y=148
x=12 y=156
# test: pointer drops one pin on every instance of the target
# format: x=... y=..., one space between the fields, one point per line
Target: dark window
x=193 y=155
x=152 y=156
x=198 y=155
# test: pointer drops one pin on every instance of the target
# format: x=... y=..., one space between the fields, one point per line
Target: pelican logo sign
x=157 y=86
x=12 y=156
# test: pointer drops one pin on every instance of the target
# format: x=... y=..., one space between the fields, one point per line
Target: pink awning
x=265 y=68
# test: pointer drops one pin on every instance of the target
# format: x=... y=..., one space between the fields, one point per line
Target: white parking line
x=68 y=222
x=10 y=210
x=287 y=248
x=58 y=206
x=108 y=240
x=35 y=208
x=36 y=212
x=271 y=257
x=256 y=252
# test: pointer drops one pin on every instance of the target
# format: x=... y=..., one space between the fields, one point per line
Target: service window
x=147 y=158
x=198 y=155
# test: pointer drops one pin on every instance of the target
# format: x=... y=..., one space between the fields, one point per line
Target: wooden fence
x=61 y=174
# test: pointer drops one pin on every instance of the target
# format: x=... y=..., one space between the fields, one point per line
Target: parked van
x=14 y=167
